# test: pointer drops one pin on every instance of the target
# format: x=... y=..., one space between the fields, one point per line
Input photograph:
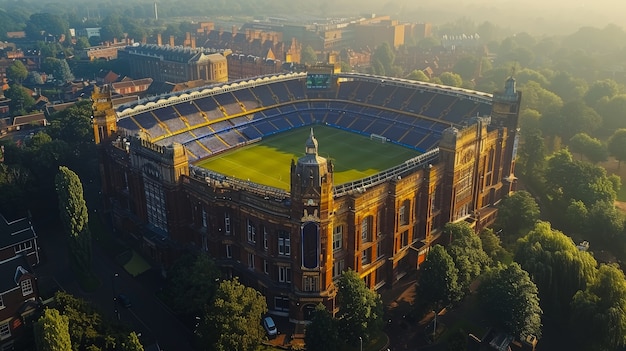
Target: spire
x=311 y=145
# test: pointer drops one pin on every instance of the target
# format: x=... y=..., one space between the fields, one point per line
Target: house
x=19 y=295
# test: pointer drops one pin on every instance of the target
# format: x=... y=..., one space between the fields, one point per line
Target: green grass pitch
x=268 y=162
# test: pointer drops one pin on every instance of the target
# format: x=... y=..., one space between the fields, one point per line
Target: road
x=147 y=315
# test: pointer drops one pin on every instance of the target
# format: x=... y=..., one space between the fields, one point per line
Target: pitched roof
x=11 y=270
x=15 y=232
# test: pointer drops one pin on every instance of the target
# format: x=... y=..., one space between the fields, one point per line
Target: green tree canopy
x=437 y=284
x=189 y=294
x=532 y=154
x=557 y=266
x=21 y=100
x=517 y=213
x=75 y=218
x=466 y=251
x=52 y=331
x=451 y=79
x=577 y=118
x=598 y=319
x=617 y=146
x=418 y=75
x=492 y=245
x=613 y=112
x=592 y=148
x=360 y=308
x=509 y=299
x=322 y=334
x=568 y=179
x=17 y=72
x=601 y=89
x=233 y=320
x=132 y=343
x=385 y=55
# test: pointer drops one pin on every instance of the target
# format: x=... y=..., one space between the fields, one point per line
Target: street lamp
x=361 y=342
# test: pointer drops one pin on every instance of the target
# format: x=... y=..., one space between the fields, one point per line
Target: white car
x=270 y=326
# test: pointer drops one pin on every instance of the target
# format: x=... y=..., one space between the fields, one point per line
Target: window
x=405 y=238
x=379 y=250
x=5 y=332
x=229 y=252
x=251 y=232
x=366 y=229
x=1 y=302
x=227 y=223
x=266 y=267
x=27 y=287
x=205 y=242
x=23 y=246
x=264 y=238
x=337 y=237
x=155 y=204
x=284 y=274
x=281 y=303
x=284 y=243
x=404 y=212
x=366 y=256
x=311 y=283
x=338 y=267
x=204 y=220
x=250 y=260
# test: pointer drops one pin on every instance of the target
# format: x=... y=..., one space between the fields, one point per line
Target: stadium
x=289 y=180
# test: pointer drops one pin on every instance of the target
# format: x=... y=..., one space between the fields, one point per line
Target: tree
x=322 y=333
x=451 y=79
x=17 y=72
x=75 y=217
x=361 y=309
x=233 y=320
x=568 y=179
x=34 y=78
x=308 y=55
x=598 y=319
x=601 y=89
x=557 y=266
x=132 y=343
x=617 y=146
x=437 y=284
x=52 y=331
x=385 y=55
x=509 y=301
x=466 y=251
x=578 y=118
x=589 y=147
x=567 y=86
x=21 y=101
x=492 y=245
x=532 y=154
x=82 y=43
x=466 y=66
x=517 y=213
x=605 y=222
x=613 y=112
x=418 y=75
x=189 y=294
x=58 y=68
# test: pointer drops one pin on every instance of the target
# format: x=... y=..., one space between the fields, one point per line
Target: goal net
x=378 y=137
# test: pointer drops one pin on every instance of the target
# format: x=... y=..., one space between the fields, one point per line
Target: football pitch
x=268 y=162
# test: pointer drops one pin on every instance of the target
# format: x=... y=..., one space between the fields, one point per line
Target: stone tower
x=312 y=203
x=505 y=115
x=104 y=118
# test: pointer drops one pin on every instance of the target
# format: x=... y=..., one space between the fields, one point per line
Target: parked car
x=270 y=326
x=123 y=300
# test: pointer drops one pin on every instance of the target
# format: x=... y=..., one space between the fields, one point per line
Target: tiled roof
x=11 y=271
x=15 y=232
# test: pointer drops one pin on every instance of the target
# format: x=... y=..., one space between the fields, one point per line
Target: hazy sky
x=538 y=16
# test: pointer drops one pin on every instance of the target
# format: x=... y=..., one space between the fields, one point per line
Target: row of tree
x=74 y=324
